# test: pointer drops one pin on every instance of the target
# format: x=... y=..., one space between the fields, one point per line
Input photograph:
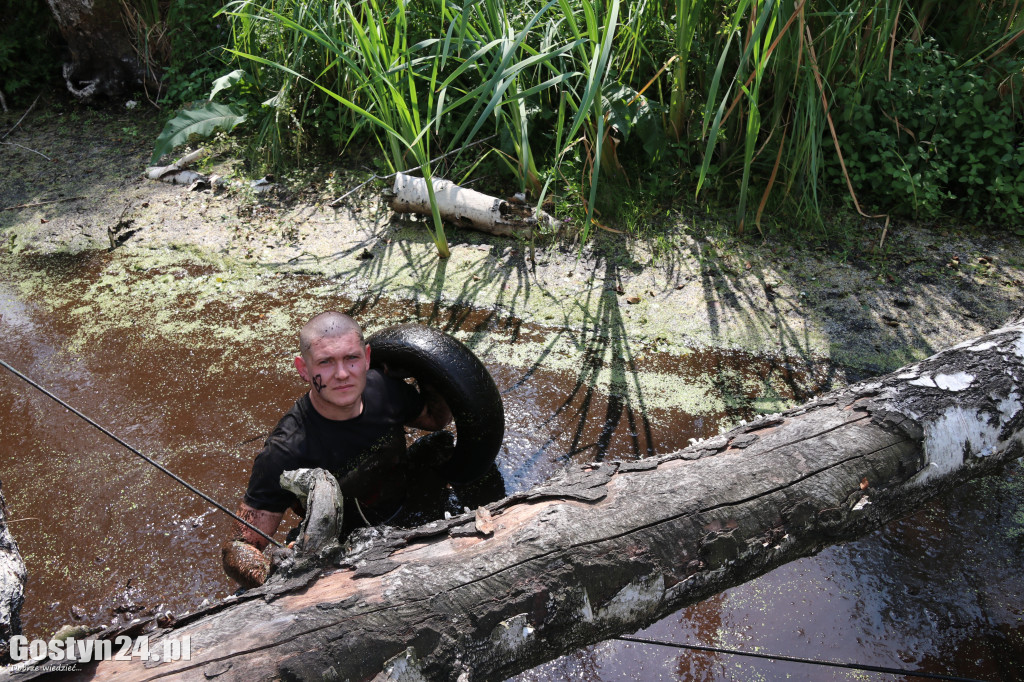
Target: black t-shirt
x=366 y=453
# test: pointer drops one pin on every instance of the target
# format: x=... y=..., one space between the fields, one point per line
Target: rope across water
x=796 y=659
x=156 y=464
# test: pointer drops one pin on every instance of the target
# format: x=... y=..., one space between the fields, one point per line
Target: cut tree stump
x=606 y=549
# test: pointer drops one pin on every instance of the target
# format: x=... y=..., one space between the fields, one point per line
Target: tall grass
x=779 y=93
x=743 y=92
x=690 y=14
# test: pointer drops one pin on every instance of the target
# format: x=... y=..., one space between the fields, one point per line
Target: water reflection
x=939 y=592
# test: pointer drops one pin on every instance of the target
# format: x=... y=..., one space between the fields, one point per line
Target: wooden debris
x=42 y=203
x=177 y=173
x=27 y=112
x=466 y=207
x=484 y=522
x=12 y=583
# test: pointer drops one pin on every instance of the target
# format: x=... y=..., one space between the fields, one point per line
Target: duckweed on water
x=209 y=303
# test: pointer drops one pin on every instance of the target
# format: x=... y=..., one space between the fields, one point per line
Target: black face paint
x=318 y=383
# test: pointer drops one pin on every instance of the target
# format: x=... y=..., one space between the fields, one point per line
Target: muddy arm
x=244 y=561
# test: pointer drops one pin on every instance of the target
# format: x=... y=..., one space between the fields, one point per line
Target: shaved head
x=327 y=325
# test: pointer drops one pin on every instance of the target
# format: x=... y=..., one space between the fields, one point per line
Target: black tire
x=435 y=358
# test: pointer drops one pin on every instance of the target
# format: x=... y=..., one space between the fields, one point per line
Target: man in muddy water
x=351 y=423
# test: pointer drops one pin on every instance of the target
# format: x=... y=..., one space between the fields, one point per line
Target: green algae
x=655 y=390
x=208 y=302
x=188 y=293
x=172 y=305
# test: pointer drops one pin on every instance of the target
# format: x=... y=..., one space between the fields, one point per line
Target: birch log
x=605 y=549
x=466 y=207
x=177 y=173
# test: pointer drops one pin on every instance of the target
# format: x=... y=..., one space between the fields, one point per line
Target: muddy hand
x=245 y=564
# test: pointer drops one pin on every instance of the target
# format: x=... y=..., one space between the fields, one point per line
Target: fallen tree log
x=467 y=208
x=606 y=549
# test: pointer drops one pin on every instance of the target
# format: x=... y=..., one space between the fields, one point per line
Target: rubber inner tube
x=435 y=358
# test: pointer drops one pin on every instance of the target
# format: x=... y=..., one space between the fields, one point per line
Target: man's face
x=335 y=368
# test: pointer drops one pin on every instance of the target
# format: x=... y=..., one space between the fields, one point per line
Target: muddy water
x=196 y=377
x=939 y=592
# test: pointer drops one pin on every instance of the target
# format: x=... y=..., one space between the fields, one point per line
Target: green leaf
x=226 y=81
x=203 y=121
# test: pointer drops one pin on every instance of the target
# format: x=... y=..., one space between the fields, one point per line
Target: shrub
x=936 y=139
x=197 y=42
x=30 y=48
x=725 y=97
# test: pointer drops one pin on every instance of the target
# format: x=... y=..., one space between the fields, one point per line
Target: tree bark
x=466 y=207
x=606 y=549
x=104 y=60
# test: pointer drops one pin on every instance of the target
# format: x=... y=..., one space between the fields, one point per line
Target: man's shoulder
x=291 y=431
x=285 y=448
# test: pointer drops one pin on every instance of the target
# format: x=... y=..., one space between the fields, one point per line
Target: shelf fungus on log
x=467 y=208
x=600 y=550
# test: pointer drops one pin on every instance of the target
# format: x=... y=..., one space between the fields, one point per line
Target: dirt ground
x=72 y=180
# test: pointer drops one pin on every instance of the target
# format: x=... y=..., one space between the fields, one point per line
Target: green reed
x=746 y=89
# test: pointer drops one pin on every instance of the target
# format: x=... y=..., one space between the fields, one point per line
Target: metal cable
x=159 y=466
x=795 y=659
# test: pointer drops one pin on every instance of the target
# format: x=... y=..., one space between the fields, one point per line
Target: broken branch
x=27 y=112
x=15 y=144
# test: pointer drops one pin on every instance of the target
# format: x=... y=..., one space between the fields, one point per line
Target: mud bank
x=695 y=290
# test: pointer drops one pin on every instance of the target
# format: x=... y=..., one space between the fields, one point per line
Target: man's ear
x=300 y=365
x=367 y=356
